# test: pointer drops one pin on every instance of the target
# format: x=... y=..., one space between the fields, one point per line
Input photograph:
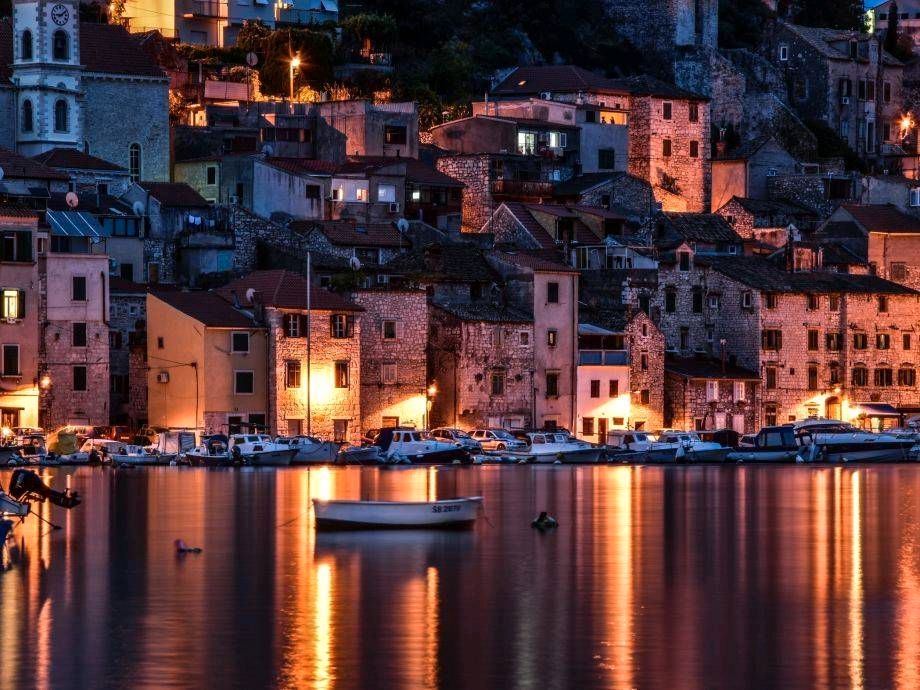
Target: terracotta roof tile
x=302 y=166
x=348 y=233
x=883 y=218
x=699 y=227
x=174 y=194
x=534 y=262
x=445 y=263
x=20 y=167
x=483 y=311
x=285 y=290
x=74 y=159
x=707 y=368
x=205 y=307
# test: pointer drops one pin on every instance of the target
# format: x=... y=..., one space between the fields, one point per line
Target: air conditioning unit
x=546 y=95
x=163 y=377
x=394 y=207
x=845 y=100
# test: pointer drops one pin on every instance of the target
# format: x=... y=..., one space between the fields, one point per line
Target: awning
x=871 y=409
x=591 y=329
x=74 y=224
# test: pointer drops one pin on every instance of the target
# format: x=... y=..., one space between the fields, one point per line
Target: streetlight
x=295 y=63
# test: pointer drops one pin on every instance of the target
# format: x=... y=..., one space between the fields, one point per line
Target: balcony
x=211 y=9
x=603 y=357
x=526 y=188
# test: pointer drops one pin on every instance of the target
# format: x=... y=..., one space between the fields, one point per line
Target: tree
x=891 y=35
x=314 y=48
x=830 y=14
x=742 y=22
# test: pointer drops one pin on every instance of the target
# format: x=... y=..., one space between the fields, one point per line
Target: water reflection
x=676 y=577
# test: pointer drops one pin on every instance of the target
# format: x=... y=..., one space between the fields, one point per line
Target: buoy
x=544 y=522
x=182 y=547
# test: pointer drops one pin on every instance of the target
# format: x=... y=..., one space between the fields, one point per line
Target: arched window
x=27 y=116
x=134 y=161
x=60 y=48
x=26 y=52
x=60 y=116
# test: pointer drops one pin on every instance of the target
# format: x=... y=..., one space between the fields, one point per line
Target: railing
x=602 y=357
x=522 y=188
x=207 y=8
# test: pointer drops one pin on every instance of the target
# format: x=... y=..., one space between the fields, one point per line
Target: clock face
x=60 y=15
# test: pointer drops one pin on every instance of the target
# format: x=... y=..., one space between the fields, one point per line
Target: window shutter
x=21 y=304
x=332 y=325
x=399 y=330
x=350 y=326
x=779 y=340
x=302 y=318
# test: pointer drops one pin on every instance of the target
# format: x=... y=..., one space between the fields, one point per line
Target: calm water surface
x=685 y=577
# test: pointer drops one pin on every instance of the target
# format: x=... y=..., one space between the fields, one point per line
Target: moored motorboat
x=401 y=445
x=771 y=444
x=359 y=455
x=691 y=448
x=212 y=452
x=824 y=440
x=624 y=445
x=135 y=456
x=259 y=450
x=449 y=513
x=310 y=450
x=10 y=507
x=556 y=446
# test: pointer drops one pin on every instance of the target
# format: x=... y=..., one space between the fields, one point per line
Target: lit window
x=342 y=378
x=13 y=303
x=292 y=374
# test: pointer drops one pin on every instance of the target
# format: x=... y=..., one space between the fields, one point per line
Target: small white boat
x=134 y=456
x=548 y=447
x=310 y=449
x=259 y=450
x=11 y=507
x=359 y=455
x=450 y=513
x=691 y=448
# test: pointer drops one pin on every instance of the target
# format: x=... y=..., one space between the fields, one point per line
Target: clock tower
x=47 y=75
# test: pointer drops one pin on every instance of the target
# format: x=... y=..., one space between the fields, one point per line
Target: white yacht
x=550 y=446
x=260 y=450
x=830 y=440
x=625 y=445
x=417 y=447
x=691 y=448
x=310 y=449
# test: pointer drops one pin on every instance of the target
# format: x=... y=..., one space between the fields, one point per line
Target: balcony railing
x=602 y=357
x=522 y=188
x=216 y=9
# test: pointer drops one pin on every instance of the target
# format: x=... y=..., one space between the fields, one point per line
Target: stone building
x=743 y=171
x=666 y=24
x=705 y=233
x=646 y=371
x=127 y=332
x=846 y=80
x=482 y=363
x=823 y=343
x=702 y=393
x=394 y=360
x=765 y=223
x=21 y=370
x=313 y=381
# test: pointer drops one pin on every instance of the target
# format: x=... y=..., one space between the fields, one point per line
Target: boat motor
x=26 y=485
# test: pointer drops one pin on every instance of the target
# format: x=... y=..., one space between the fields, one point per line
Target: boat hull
x=270 y=458
x=201 y=460
x=143 y=460
x=763 y=455
x=456 y=513
x=896 y=451
x=324 y=453
x=587 y=456
x=438 y=457
x=708 y=455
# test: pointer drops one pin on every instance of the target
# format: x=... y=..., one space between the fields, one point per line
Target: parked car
x=458 y=436
x=497 y=439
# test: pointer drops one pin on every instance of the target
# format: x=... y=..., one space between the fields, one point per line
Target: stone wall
x=687 y=406
x=645 y=374
x=404 y=400
x=127 y=317
x=473 y=171
x=804 y=190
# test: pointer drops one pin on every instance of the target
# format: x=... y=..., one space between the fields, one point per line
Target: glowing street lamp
x=295 y=63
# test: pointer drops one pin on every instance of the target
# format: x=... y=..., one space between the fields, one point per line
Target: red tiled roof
x=416 y=170
x=883 y=218
x=534 y=262
x=174 y=194
x=104 y=48
x=539 y=78
x=205 y=307
x=285 y=290
x=302 y=166
x=583 y=233
x=537 y=231
x=17 y=166
x=346 y=233
x=13 y=211
x=74 y=159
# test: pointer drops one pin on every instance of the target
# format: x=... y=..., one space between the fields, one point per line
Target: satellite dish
x=267 y=149
x=252 y=59
x=72 y=199
x=138 y=208
x=1 y=173
x=402 y=225
x=355 y=263
x=250 y=294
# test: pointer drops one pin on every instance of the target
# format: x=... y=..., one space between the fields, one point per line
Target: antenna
x=355 y=263
x=72 y=199
x=138 y=208
x=250 y=294
x=402 y=225
x=1 y=173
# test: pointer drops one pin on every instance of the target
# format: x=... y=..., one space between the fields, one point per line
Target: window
x=79 y=378
x=239 y=342
x=552 y=384
x=834 y=373
x=341 y=326
x=27 y=120
x=772 y=339
x=715 y=302
x=683 y=261
x=833 y=341
x=394 y=134
x=769 y=300
x=13 y=305
x=78 y=289
x=666 y=148
x=738 y=392
x=295 y=325
x=211 y=172
x=882 y=341
x=551 y=337
x=870 y=89
x=666 y=110
x=116 y=340
x=557 y=140
x=644 y=398
x=883 y=377
x=860 y=341
x=861 y=90
x=800 y=89
x=684 y=338
x=883 y=304
x=134 y=161
x=697 y=302
x=784 y=53
x=614 y=388
x=694 y=149
x=693 y=112
x=388 y=330
x=342 y=376
x=770 y=415
x=606 y=159
x=670 y=301
x=814 y=303
x=292 y=373
x=595 y=388
x=860 y=375
x=60 y=45
x=10 y=361
x=78 y=334
x=339 y=430
x=712 y=391
x=771 y=377
x=833 y=303
x=898 y=271
x=552 y=293
x=25 y=52
x=587 y=426
x=524 y=338
x=497 y=383
x=812 y=340
x=747 y=300
x=388 y=373
x=812 y=377
x=643 y=361
x=915 y=196
x=907 y=376
x=905 y=341
x=244 y=382
x=60 y=115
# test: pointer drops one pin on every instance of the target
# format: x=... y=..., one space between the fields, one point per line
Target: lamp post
x=295 y=63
